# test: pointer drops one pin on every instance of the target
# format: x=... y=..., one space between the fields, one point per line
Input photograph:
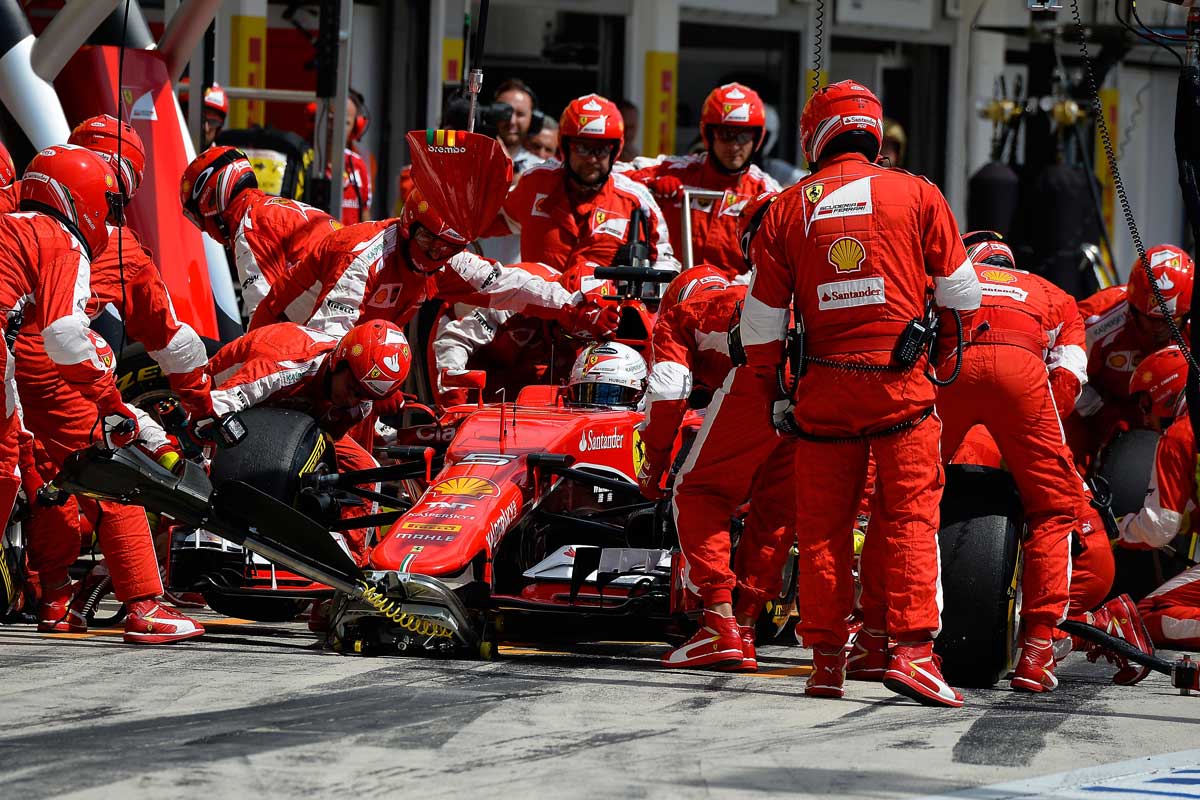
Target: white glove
x=783 y=416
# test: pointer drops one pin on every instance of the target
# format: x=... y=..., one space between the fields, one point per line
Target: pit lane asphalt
x=256 y=709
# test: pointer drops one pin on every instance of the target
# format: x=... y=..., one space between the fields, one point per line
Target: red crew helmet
x=691 y=282
x=216 y=100
x=737 y=106
x=446 y=243
x=988 y=247
x=76 y=187
x=1162 y=377
x=209 y=185
x=836 y=109
x=1173 y=271
x=99 y=134
x=377 y=355
x=591 y=117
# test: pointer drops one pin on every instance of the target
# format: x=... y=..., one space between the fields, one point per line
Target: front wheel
x=979 y=542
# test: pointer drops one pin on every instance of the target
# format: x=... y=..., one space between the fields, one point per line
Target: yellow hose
x=409 y=622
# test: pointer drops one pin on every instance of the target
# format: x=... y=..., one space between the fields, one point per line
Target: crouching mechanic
x=1171 y=613
x=336 y=380
x=385 y=270
x=733 y=127
x=45 y=269
x=269 y=235
x=1124 y=325
x=577 y=209
x=691 y=351
x=858 y=270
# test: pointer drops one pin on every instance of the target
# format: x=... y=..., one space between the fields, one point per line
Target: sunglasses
x=736 y=135
x=594 y=150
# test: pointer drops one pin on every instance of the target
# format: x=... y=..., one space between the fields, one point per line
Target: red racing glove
x=666 y=187
x=590 y=319
x=1064 y=387
x=650 y=480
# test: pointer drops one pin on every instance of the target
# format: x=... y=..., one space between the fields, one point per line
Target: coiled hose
x=409 y=622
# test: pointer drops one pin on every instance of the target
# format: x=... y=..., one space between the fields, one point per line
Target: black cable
x=1122 y=196
x=1125 y=23
x=818 y=39
x=125 y=191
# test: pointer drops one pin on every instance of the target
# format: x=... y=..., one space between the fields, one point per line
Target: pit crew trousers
x=737 y=455
x=1005 y=388
x=830 y=478
x=1172 y=612
x=353 y=456
x=62 y=421
x=10 y=436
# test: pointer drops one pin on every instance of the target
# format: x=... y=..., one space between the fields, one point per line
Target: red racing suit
x=283 y=366
x=690 y=347
x=1027 y=363
x=361 y=272
x=1114 y=349
x=855 y=250
x=62 y=420
x=356 y=189
x=46 y=275
x=272 y=235
x=1172 y=611
x=559 y=233
x=715 y=235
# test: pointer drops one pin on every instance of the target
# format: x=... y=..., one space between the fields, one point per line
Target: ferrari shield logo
x=814 y=192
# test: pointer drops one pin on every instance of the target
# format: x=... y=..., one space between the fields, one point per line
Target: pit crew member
x=1025 y=362
x=386 y=269
x=857 y=271
x=269 y=235
x=335 y=379
x=732 y=125
x=216 y=111
x=691 y=351
x=1125 y=324
x=578 y=209
x=48 y=248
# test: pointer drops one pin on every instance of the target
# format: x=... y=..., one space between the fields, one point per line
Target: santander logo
x=601 y=441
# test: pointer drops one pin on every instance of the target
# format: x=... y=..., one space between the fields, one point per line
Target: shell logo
x=465 y=487
x=998 y=276
x=847 y=254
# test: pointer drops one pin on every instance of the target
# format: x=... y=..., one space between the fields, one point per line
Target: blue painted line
x=1174 y=779
x=1140 y=792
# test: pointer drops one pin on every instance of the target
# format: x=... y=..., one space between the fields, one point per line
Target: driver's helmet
x=607 y=374
x=1162 y=378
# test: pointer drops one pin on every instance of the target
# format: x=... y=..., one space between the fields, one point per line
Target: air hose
x=410 y=622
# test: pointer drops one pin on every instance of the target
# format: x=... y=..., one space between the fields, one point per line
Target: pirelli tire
x=982 y=523
x=280 y=448
x=141 y=380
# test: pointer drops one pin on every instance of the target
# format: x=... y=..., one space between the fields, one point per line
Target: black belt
x=903 y=425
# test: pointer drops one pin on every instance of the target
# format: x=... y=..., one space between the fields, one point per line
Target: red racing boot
x=828 y=675
x=868 y=657
x=914 y=671
x=749 y=661
x=717 y=645
x=151 y=622
x=1035 y=670
x=1119 y=617
x=54 y=613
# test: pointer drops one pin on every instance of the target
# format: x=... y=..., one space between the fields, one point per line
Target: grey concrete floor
x=256 y=710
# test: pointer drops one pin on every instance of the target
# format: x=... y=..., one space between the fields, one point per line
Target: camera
x=488 y=116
